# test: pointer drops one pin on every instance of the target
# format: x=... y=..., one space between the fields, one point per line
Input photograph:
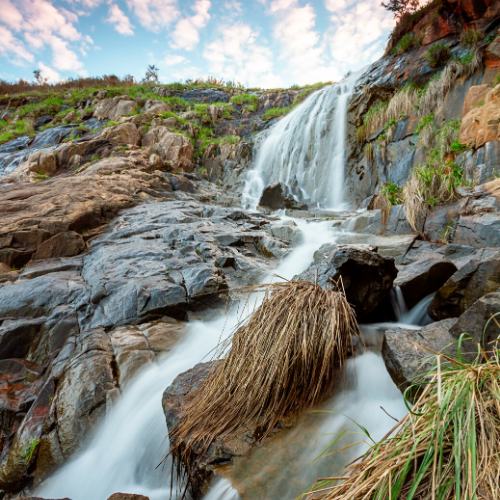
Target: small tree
x=401 y=7
x=40 y=80
x=152 y=74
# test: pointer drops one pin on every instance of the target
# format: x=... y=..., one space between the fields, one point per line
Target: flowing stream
x=306 y=150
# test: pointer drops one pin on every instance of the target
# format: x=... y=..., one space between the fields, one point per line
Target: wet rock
x=277 y=197
x=471 y=282
x=136 y=346
x=112 y=109
x=127 y=496
x=176 y=150
x=287 y=231
x=33 y=213
x=477 y=322
x=124 y=133
x=366 y=276
x=421 y=278
x=61 y=245
x=405 y=351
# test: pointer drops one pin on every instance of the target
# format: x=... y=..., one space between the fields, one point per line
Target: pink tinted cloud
x=120 y=21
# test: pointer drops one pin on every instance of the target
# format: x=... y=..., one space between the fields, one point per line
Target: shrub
x=471 y=37
x=457 y=147
x=438 y=55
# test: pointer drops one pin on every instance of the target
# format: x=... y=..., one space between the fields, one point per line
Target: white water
x=133 y=439
x=417 y=316
x=306 y=150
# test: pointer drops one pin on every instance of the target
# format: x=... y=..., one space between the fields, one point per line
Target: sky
x=260 y=43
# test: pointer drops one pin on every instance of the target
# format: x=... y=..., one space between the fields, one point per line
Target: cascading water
x=133 y=440
x=306 y=150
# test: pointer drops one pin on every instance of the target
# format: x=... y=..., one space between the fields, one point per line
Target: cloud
x=120 y=21
x=186 y=34
x=238 y=55
x=13 y=48
x=51 y=75
x=41 y=24
x=365 y=25
x=173 y=60
x=154 y=14
x=336 y=5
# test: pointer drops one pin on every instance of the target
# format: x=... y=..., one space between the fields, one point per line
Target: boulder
x=406 y=353
x=471 y=282
x=277 y=197
x=124 y=133
x=287 y=231
x=273 y=196
x=127 y=496
x=221 y=452
x=478 y=323
x=421 y=278
x=42 y=162
x=61 y=245
x=157 y=107
x=176 y=150
x=4 y=268
x=112 y=109
x=367 y=277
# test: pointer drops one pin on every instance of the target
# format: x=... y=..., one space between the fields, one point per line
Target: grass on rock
x=284 y=358
x=447 y=447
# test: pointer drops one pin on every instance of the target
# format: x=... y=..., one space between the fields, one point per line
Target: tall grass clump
x=471 y=37
x=407 y=43
x=250 y=99
x=438 y=54
x=432 y=97
x=284 y=358
x=446 y=448
x=427 y=186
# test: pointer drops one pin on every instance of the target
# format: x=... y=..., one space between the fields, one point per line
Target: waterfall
x=416 y=316
x=306 y=150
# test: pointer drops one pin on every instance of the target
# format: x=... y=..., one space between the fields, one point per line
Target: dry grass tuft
x=447 y=447
x=283 y=359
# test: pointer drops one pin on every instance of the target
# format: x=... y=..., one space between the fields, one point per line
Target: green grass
x=229 y=139
x=438 y=55
x=392 y=193
x=275 y=113
x=241 y=99
x=407 y=43
x=423 y=122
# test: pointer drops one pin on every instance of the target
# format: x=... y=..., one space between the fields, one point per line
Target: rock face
x=471 y=282
x=422 y=278
x=75 y=330
x=35 y=213
x=124 y=133
x=405 y=351
x=127 y=496
x=366 y=276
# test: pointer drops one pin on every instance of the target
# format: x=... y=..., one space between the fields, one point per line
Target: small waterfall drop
x=306 y=150
x=417 y=316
